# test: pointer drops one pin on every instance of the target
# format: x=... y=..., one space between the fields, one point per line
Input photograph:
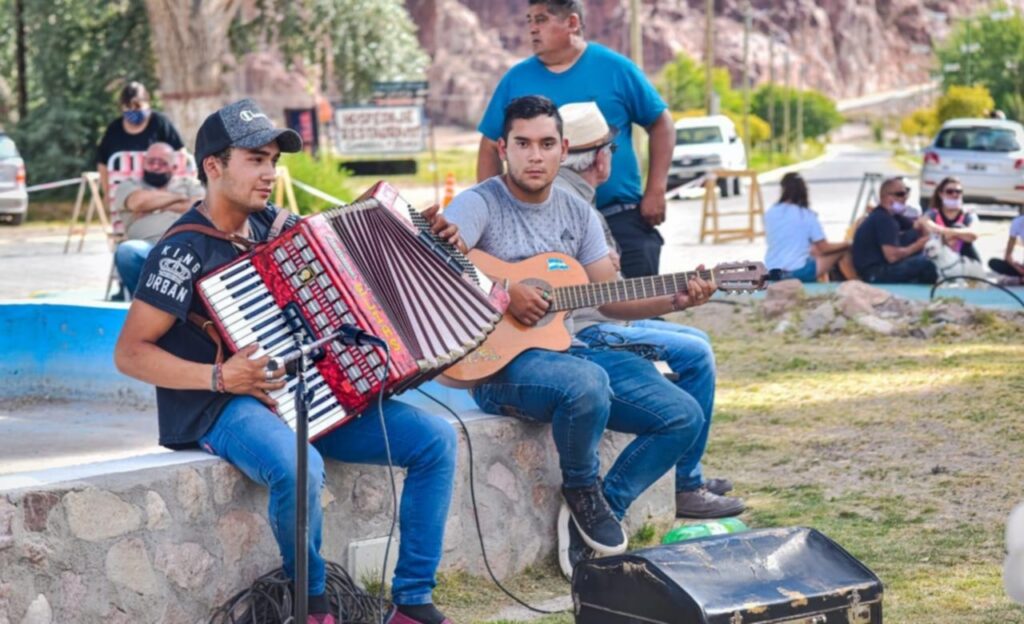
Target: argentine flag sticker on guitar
x=557 y=264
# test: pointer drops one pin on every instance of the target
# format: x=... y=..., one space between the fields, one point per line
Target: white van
x=704 y=144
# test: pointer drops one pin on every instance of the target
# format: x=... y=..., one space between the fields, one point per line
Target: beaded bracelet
x=221 y=387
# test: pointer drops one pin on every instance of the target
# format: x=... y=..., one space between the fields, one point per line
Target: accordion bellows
x=372 y=264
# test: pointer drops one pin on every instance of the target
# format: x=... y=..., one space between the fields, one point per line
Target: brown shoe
x=703 y=504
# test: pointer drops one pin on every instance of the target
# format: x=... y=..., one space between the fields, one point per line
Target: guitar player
x=586 y=390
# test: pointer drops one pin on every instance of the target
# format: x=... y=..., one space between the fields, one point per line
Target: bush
x=924 y=122
x=324 y=174
x=959 y=102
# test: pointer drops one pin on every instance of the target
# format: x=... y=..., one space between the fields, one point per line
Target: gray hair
x=581 y=161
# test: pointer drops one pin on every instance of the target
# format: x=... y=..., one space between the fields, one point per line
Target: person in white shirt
x=797 y=247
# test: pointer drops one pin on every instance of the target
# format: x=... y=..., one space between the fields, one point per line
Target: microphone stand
x=301 y=499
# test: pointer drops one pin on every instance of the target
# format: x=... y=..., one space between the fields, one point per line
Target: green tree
x=80 y=52
x=683 y=84
x=960 y=102
x=365 y=41
x=988 y=51
x=820 y=114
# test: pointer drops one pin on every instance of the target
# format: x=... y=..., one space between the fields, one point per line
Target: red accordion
x=372 y=264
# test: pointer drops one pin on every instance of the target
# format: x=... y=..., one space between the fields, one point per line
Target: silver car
x=987 y=156
x=13 y=198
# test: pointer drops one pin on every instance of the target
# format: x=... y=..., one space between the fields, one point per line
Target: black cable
x=476 y=513
x=931 y=295
x=391 y=476
x=269 y=600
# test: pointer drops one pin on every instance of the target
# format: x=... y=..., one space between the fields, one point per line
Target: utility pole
x=787 y=101
x=709 y=58
x=19 y=33
x=746 y=76
x=800 y=114
x=771 y=97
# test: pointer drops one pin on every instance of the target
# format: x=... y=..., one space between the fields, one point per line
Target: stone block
x=128 y=564
x=95 y=515
x=186 y=565
x=39 y=612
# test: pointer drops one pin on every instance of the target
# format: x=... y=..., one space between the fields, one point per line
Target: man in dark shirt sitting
x=887 y=246
x=225 y=409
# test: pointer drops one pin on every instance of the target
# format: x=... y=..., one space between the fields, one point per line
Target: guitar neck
x=594 y=295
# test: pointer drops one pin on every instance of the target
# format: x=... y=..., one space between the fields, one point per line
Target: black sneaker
x=595 y=520
x=571 y=547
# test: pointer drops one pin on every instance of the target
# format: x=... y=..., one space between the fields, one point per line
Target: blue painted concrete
x=984 y=296
x=65 y=350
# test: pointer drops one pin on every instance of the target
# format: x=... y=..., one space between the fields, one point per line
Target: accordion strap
x=204 y=324
x=278 y=224
x=241 y=241
x=207 y=326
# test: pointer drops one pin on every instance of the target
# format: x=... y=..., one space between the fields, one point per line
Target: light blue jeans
x=253 y=439
x=688 y=353
x=129 y=258
x=585 y=391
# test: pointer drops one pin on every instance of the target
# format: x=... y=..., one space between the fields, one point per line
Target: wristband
x=213 y=378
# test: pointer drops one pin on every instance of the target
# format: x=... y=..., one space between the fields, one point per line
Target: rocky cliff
x=845 y=48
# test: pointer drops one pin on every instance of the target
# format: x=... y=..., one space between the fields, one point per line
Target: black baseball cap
x=242 y=124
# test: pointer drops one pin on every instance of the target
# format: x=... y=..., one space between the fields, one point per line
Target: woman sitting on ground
x=950 y=219
x=796 y=240
x=1012 y=272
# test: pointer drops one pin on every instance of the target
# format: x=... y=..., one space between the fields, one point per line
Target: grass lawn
x=906 y=452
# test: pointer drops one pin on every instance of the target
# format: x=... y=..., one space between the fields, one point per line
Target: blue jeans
x=915 y=269
x=688 y=353
x=129 y=258
x=257 y=442
x=585 y=391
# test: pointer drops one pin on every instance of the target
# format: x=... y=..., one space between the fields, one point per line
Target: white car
x=13 y=198
x=985 y=154
x=704 y=144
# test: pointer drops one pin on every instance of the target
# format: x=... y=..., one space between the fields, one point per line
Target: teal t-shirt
x=600 y=75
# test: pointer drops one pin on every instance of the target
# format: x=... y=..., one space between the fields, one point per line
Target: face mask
x=952 y=202
x=157 y=180
x=135 y=117
x=899 y=207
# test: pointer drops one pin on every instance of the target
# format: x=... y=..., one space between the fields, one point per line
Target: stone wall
x=166 y=545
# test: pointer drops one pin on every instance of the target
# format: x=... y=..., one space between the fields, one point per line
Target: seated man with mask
x=887 y=245
x=149 y=207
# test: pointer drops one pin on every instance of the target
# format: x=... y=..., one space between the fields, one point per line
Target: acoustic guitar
x=568 y=288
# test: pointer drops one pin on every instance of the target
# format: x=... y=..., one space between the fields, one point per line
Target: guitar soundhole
x=537 y=283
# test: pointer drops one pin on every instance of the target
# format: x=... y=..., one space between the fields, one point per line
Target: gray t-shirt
x=492 y=220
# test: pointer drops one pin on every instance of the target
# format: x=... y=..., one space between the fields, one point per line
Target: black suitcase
x=792 y=576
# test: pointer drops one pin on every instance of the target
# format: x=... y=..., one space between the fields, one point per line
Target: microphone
x=351 y=336
x=348 y=335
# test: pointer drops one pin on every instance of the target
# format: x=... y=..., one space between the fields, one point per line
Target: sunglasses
x=898 y=193
x=953 y=192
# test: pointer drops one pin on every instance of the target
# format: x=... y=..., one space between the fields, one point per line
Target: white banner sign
x=376 y=130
